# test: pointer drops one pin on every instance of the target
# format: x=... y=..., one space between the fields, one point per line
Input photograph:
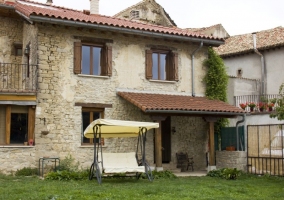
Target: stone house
x=60 y=69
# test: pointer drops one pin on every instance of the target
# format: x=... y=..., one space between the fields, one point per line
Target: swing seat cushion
x=121 y=163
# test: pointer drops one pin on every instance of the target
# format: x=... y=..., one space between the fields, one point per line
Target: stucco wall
x=59 y=90
x=274 y=61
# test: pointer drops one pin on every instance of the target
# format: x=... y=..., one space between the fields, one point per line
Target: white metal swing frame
x=103 y=128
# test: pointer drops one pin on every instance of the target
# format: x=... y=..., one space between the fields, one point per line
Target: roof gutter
x=194 y=112
x=262 y=63
x=123 y=30
x=192 y=68
x=7 y=6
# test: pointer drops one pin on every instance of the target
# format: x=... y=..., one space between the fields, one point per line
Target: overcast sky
x=237 y=16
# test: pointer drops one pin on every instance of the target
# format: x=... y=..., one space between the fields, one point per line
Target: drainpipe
x=192 y=67
x=262 y=63
x=237 y=129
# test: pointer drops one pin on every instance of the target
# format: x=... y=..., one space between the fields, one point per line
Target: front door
x=166 y=140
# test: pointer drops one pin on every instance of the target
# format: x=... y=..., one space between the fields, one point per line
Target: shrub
x=226 y=173
x=68 y=164
x=163 y=174
x=27 y=171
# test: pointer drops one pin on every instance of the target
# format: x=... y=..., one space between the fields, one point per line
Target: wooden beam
x=158 y=140
x=8 y=123
x=31 y=123
x=211 y=143
x=93 y=105
x=17 y=98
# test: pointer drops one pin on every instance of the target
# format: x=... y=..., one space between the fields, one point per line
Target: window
x=161 y=65
x=92 y=59
x=17 y=49
x=89 y=115
x=134 y=14
x=21 y=120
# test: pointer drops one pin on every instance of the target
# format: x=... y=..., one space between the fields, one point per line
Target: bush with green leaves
x=163 y=174
x=67 y=170
x=68 y=164
x=226 y=173
x=27 y=171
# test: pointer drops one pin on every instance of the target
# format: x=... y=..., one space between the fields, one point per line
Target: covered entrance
x=162 y=107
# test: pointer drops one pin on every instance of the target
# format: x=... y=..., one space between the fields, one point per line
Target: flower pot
x=270 y=108
x=251 y=109
x=230 y=148
x=261 y=109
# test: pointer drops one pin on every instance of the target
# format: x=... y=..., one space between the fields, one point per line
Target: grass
x=247 y=187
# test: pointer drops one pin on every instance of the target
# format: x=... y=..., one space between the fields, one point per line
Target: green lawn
x=254 y=187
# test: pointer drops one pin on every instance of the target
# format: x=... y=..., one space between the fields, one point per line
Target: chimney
x=94 y=6
x=49 y=2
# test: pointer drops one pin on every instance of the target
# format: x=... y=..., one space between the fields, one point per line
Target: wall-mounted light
x=27 y=50
x=173 y=129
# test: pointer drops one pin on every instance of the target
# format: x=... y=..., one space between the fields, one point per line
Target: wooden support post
x=211 y=121
x=158 y=145
x=158 y=140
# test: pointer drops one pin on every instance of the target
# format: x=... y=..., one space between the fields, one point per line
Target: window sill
x=15 y=146
x=89 y=146
x=93 y=76
x=162 y=81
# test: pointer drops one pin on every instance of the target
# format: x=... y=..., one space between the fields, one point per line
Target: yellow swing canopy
x=117 y=128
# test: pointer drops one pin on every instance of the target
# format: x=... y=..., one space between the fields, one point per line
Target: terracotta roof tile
x=164 y=102
x=242 y=44
x=30 y=8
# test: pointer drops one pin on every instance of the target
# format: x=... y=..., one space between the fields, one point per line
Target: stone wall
x=59 y=90
x=231 y=159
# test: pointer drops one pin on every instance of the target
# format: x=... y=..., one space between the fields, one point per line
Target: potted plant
x=261 y=106
x=270 y=106
x=251 y=105
x=243 y=105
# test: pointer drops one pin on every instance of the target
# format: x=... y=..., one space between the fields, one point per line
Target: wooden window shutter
x=31 y=123
x=106 y=61
x=169 y=71
x=149 y=64
x=173 y=67
x=77 y=57
x=109 y=60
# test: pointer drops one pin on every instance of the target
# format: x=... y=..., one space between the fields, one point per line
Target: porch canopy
x=161 y=105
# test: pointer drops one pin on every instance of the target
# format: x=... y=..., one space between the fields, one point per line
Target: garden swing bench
x=117 y=163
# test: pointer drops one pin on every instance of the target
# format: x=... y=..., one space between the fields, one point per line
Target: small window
x=92 y=59
x=134 y=14
x=239 y=73
x=89 y=115
x=17 y=49
x=161 y=65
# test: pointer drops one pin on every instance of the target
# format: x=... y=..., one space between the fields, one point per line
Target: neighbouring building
x=60 y=69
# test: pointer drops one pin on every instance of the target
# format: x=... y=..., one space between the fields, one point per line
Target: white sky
x=236 y=16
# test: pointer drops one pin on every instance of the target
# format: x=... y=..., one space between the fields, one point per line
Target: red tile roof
x=242 y=44
x=30 y=8
x=178 y=103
